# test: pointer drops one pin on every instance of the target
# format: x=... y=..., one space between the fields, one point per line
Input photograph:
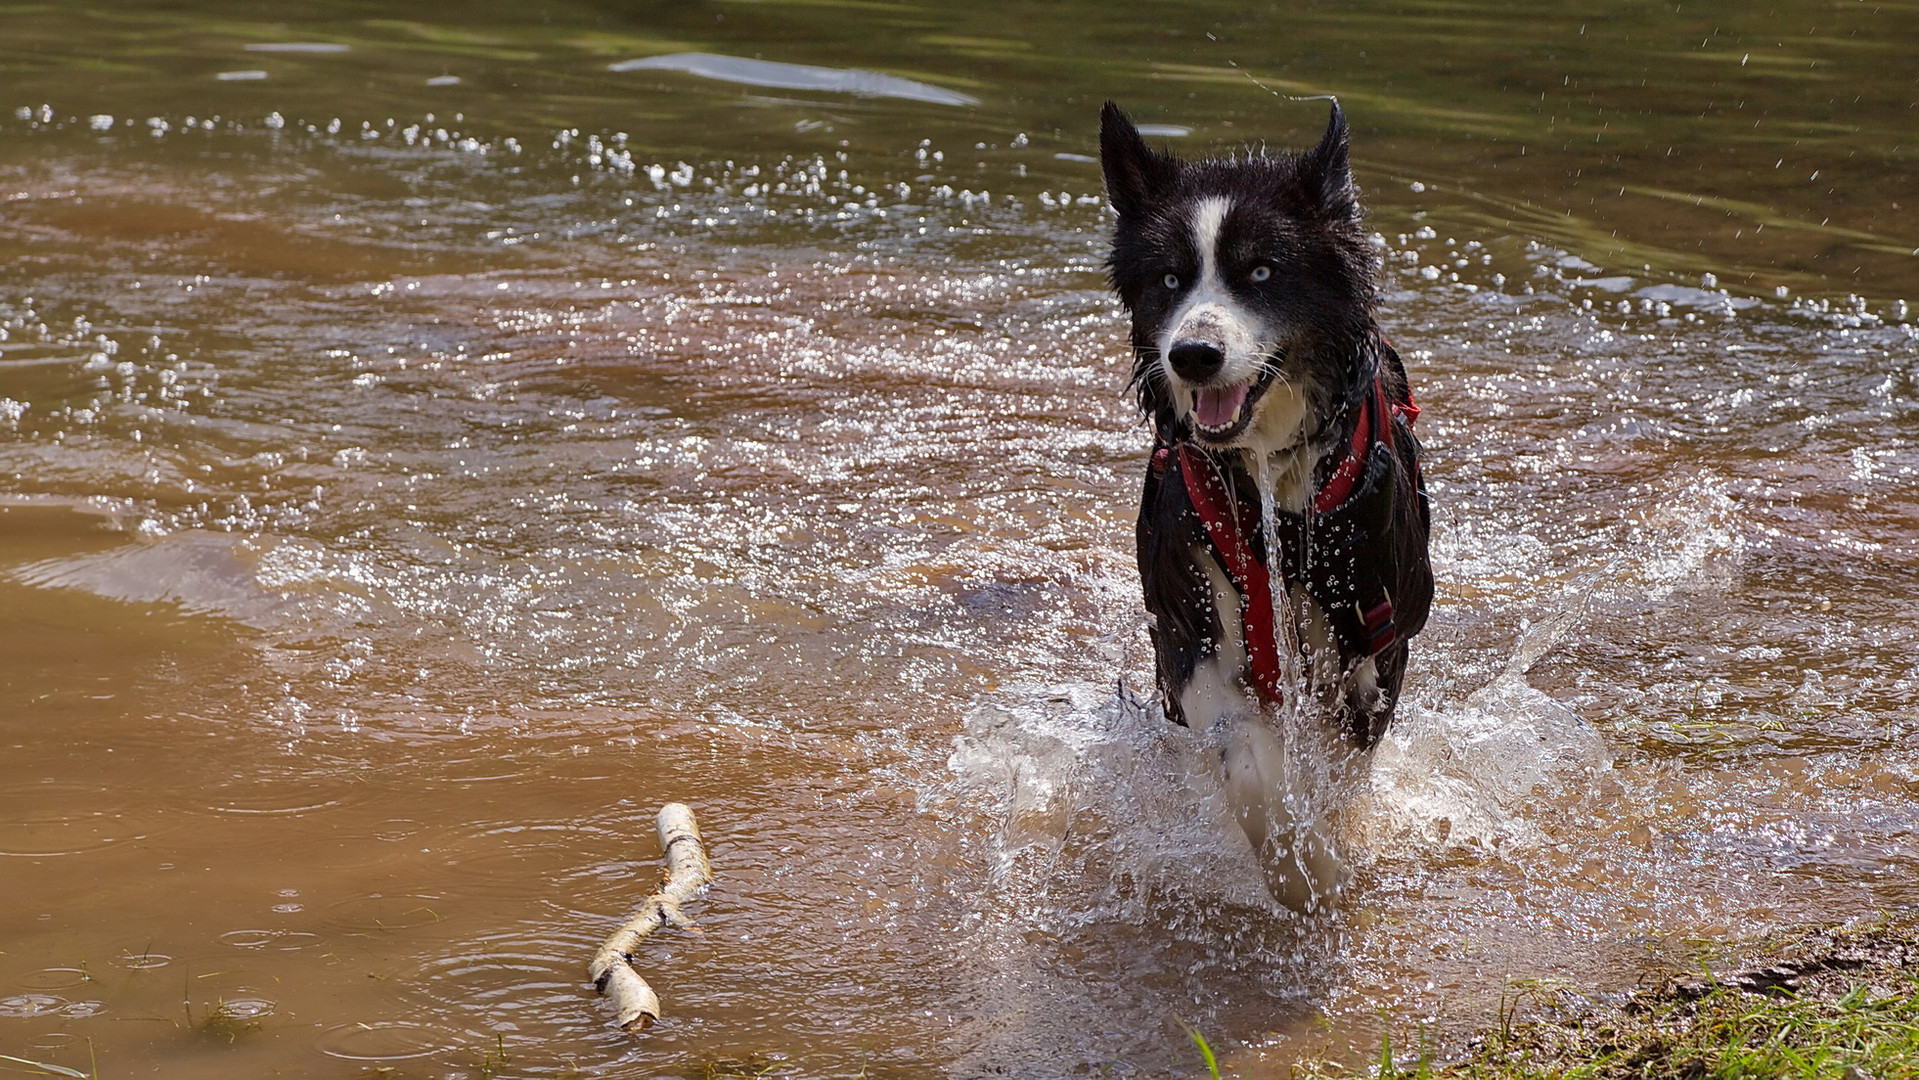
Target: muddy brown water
x=424 y=450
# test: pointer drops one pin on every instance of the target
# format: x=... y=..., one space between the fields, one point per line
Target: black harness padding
x=1357 y=560
x=1363 y=561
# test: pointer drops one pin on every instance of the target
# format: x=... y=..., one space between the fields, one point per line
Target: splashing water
x=1163 y=801
x=1461 y=778
x=1286 y=773
x=1072 y=769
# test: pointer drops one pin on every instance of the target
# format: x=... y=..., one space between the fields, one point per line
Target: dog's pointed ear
x=1329 y=170
x=1132 y=168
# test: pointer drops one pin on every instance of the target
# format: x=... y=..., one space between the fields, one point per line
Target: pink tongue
x=1218 y=405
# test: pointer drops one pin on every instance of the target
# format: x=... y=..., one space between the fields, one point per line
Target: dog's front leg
x=1276 y=808
x=1273 y=802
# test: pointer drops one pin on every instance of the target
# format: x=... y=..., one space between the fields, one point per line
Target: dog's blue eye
x=1171 y=280
x=1261 y=273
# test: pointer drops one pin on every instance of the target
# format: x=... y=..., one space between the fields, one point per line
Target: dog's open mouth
x=1220 y=413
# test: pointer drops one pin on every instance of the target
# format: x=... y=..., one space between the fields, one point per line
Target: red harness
x=1225 y=520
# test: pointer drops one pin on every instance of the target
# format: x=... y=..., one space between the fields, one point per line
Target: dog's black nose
x=1196 y=361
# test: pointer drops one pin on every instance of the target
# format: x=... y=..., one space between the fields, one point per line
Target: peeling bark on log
x=687 y=872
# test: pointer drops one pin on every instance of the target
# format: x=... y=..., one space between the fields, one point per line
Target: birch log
x=687 y=872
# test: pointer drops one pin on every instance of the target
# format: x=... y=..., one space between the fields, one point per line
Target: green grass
x=1205 y=1051
x=1727 y=1034
x=1836 y=1003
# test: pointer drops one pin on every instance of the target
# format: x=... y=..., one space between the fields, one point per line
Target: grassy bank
x=1834 y=1003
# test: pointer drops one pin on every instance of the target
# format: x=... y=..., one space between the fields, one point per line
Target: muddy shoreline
x=1827 y=1001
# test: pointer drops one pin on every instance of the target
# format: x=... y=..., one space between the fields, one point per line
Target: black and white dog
x=1283 y=431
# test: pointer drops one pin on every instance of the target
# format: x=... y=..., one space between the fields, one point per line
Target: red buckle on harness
x=1377 y=621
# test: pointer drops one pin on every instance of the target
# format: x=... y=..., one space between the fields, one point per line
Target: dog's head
x=1250 y=283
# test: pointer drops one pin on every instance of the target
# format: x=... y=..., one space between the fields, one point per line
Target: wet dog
x=1282 y=534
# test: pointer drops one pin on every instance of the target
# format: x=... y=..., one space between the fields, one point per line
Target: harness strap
x=1216 y=511
x=1339 y=486
x=1219 y=514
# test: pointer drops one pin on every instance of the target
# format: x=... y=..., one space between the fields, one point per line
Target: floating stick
x=687 y=872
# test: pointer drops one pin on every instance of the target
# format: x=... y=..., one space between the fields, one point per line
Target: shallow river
x=425 y=448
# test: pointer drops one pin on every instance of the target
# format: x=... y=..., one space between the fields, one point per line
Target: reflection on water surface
x=406 y=485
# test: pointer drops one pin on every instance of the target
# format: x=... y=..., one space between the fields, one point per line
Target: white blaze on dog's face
x=1249 y=282
x=1220 y=355
x=1211 y=319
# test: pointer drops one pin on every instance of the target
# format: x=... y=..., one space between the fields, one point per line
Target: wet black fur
x=1298 y=213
